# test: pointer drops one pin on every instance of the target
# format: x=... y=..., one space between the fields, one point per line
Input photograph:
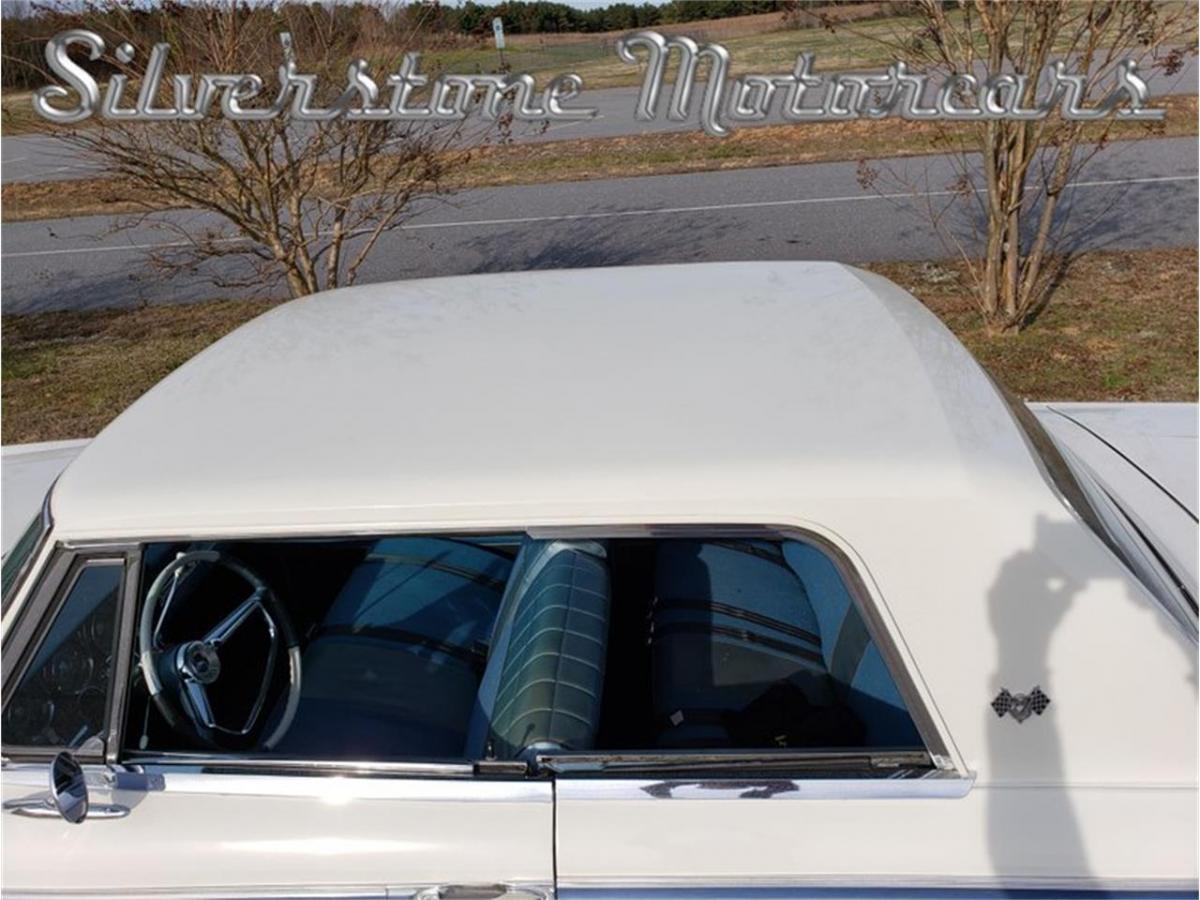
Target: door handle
x=481 y=892
x=43 y=808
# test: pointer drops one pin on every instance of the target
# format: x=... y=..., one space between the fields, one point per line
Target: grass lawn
x=1122 y=326
x=615 y=157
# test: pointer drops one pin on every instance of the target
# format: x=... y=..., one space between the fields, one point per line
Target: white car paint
x=1144 y=455
x=26 y=473
x=797 y=395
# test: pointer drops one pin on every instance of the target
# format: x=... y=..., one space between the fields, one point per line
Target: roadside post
x=498 y=31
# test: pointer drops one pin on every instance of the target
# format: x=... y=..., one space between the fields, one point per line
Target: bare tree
x=304 y=202
x=1028 y=164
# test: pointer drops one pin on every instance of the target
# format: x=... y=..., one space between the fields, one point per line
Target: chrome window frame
x=57 y=579
x=945 y=762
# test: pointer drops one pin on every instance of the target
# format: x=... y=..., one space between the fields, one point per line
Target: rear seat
x=860 y=676
x=731 y=618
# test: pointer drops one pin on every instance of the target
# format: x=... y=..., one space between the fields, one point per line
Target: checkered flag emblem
x=1020 y=706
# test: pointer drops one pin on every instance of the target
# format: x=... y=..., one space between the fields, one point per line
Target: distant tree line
x=541 y=17
x=371 y=25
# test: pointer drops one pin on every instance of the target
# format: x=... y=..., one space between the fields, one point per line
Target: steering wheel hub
x=198 y=661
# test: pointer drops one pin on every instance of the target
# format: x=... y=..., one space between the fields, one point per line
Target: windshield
x=17 y=559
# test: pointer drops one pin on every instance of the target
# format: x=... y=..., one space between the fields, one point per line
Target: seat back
x=855 y=664
x=730 y=618
x=542 y=684
x=444 y=591
x=394 y=667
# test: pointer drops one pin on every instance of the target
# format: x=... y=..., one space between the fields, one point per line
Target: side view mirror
x=68 y=796
x=68 y=788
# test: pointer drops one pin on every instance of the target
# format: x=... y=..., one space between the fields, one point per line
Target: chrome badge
x=1020 y=706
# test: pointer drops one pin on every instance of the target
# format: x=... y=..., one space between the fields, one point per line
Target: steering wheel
x=178 y=676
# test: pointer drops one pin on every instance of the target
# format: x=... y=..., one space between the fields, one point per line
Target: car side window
x=758 y=644
x=62 y=697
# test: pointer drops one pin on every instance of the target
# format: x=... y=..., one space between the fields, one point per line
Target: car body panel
x=196 y=834
x=1144 y=455
x=1160 y=439
x=769 y=834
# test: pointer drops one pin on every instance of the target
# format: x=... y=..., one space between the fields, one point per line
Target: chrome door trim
x=276 y=892
x=343 y=786
x=346 y=787
x=250 y=892
x=948 y=889
x=754 y=789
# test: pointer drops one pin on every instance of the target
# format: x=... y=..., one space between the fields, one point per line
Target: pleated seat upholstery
x=543 y=684
x=729 y=620
x=395 y=666
x=733 y=618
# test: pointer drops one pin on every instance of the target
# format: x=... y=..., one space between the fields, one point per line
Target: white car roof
x=432 y=401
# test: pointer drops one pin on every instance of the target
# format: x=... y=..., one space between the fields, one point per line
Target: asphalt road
x=1133 y=195
x=39 y=157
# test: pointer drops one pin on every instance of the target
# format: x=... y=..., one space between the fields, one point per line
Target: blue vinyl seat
x=394 y=668
x=733 y=618
x=860 y=677
x=545 y=673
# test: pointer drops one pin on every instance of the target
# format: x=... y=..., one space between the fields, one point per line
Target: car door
x=219 y=825
x=741 y=787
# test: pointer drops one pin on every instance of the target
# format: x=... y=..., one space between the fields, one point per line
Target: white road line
x=624 y=213
x=562 y=125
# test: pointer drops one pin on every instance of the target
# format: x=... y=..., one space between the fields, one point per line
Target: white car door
x=224 y=826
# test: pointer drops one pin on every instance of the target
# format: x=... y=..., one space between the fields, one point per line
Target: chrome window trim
x=63 y=574
x=238 y=764
x=931 y=729
x=123 y=661
x=880 y=763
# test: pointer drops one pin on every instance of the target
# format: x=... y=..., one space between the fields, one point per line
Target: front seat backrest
x=547 y=664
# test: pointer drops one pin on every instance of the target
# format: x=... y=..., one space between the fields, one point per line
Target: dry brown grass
x=1122 y=326
x=592 y=158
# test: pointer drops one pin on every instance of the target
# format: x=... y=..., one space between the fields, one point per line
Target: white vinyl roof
x=590 y=391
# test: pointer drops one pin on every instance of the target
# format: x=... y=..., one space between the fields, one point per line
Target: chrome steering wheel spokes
x=178 y=677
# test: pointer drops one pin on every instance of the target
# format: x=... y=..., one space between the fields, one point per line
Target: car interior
x=483 y=647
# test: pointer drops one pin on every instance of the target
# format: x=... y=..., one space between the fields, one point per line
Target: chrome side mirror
x=68 y=788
